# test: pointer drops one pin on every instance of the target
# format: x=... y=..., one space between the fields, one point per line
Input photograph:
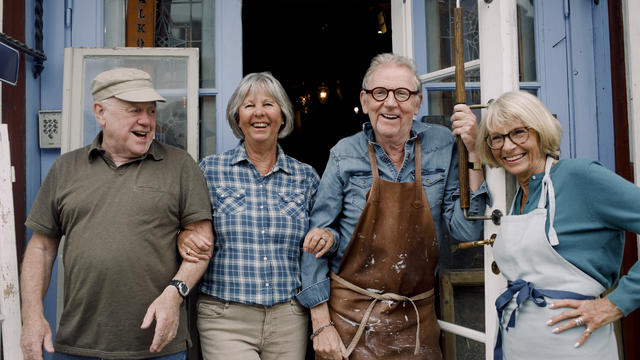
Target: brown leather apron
x=382 y=296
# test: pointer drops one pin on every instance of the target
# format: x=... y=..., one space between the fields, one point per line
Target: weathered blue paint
x=45 y=93
x=603 y=90
x=551 y=60
x=228 y=40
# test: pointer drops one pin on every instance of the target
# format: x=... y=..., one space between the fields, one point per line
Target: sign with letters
x=141 y=22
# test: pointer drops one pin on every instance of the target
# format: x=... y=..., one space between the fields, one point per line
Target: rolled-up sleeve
x=327 y=208
x=460 y=228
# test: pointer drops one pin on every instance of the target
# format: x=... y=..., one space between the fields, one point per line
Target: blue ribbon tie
x=525 y=291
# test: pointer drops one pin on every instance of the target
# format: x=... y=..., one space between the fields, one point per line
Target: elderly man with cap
x=120 y=203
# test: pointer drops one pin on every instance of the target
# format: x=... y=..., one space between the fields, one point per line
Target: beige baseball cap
x=126 y=84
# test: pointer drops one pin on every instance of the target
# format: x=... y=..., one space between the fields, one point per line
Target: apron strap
x=548 y=191
x=374 y=192
x=524 y=291
x=376 y=297
x=417 y=154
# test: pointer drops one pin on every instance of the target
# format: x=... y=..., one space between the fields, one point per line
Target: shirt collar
x=282 y=162
x=155 y=151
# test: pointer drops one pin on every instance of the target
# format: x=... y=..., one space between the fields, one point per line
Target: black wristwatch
x=183 y=288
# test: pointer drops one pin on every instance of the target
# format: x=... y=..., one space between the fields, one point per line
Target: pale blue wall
x=84 y=28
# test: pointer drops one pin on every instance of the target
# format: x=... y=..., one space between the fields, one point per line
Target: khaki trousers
x=237 y=331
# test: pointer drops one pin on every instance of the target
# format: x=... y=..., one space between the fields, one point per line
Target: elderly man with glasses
x=387 y=194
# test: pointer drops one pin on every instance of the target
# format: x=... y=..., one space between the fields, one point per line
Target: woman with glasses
x=386 y=194
x=561 y=247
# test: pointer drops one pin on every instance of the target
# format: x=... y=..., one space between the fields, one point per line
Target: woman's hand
x=465 y=124
x=193 y=246
x=592 y=314
x=318 y=241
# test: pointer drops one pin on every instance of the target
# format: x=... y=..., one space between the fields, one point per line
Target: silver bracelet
x=317 y=332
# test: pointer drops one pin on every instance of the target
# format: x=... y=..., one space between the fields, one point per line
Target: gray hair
x=390 y=58
x=270 y=85
x=526 y=108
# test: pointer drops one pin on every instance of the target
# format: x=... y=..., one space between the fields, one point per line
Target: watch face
x=183 y=289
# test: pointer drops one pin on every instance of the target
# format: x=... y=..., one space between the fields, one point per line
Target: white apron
x=527 y=259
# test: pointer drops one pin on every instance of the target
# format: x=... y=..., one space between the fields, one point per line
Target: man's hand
x=165 y=310
x=327 y=344
x=465 y=124
x=34 y=281
x=36 y=334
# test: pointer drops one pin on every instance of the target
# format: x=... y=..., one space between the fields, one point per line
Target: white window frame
x=498 y=39
x=72 y=127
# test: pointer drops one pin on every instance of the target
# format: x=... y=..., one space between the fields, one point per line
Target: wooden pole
x=460 y=98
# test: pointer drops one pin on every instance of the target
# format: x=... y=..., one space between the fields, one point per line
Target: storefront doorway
x=320 y=51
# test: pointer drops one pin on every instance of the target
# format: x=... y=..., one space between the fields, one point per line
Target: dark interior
x=313 y=45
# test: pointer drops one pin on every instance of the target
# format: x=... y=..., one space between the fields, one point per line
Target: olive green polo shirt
x=120 y=225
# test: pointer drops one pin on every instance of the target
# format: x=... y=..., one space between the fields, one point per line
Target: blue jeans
x=177 y=356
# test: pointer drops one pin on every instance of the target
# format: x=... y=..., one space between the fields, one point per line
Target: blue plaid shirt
x=259 y=224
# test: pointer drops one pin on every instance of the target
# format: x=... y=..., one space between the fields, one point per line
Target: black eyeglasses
x=518 y=136
x=400 y=94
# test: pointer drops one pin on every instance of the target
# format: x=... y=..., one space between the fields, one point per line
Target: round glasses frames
x=400 y=94
x=517 y=136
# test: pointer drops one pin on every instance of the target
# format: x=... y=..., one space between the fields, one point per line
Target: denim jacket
x=347 y=178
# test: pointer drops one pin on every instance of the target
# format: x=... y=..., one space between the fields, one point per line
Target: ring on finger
x=588 y=331
x=188 y=251
x=579 y=321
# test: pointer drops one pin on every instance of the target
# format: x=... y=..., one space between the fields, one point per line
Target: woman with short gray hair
x=261 y=199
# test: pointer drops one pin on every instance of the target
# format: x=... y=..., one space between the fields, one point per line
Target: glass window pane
x=189 y=23
x=439 y=36
x=440 y=103
x=526 y=40
x=207 y=126
x=169 y=78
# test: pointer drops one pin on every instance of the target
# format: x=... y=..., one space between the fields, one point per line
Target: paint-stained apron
x=538 y=274
x=382 y=296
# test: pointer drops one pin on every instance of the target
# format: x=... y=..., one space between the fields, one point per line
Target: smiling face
x=128 y=128
x=260 y=118
x=391 y=119
x=521 y=160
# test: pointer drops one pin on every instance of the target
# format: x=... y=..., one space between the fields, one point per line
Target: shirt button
x=261 y=206
x=262 y=232
x=260 y=185
x=266 y=284
x=265 y=258
x=533 y=177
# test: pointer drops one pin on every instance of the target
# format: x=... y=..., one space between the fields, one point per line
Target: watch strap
x=178 y=284
x=474 y=165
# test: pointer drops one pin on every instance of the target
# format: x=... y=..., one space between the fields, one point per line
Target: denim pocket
x=359 y=187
